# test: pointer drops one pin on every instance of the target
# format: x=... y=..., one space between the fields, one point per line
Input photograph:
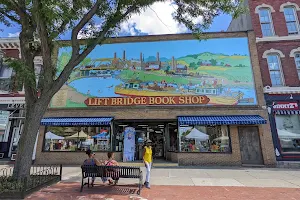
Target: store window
x=77 y=139
x=288 y=130
x=266 y=22
x=275 y=69
x=291 y=20
x=204 y=139
x=297 y=61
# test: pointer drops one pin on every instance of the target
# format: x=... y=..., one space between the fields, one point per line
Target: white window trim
x=264 y=6
x=295 y=9
x=294 y=51
x=270 y=16
x=280 y=55
x=273 y=51
x=278 y=38
x=289 y=4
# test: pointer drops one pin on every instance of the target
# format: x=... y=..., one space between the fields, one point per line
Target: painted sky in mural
x=219 y=69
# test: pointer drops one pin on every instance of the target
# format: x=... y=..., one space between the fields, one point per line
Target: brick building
x=277 y=30
x=12 y=100
x=209 y=115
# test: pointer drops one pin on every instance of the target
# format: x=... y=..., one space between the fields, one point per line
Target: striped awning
x=287 y=112
x=76 y=121
x=221 y=120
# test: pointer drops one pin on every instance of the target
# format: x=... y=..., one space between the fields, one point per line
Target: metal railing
x=40 y=175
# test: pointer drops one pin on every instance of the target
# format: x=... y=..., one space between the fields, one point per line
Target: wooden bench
x=89 y=171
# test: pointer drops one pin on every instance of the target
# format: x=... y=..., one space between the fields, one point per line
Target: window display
x=77 y=139
x=288 y=130
x=204 y=139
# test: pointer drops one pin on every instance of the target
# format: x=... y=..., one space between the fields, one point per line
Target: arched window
x=297 y=61
x=291 y=19
x=266 y=22
x=275 y=69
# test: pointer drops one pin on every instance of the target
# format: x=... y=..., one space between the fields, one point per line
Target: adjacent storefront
x=12 y=120
x=198 y=107
x=285 y=124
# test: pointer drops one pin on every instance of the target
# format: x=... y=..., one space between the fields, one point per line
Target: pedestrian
x=147 y=157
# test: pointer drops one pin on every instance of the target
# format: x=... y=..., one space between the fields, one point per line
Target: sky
x=167 y=49
x=157 y=19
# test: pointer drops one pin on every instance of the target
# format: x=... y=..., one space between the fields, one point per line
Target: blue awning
x=76 y=121
x=221 y=120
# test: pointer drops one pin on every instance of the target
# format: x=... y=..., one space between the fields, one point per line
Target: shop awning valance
x=76 y=121
x=221 y=120
x=287 y=112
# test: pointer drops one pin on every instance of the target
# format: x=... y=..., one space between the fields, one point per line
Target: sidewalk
x=240 y=177
x=185 y=184
x=64 y=191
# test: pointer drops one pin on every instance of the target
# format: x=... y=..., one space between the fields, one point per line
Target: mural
x=217 y=69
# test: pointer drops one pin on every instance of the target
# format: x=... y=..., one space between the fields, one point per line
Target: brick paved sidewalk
x=62 y=191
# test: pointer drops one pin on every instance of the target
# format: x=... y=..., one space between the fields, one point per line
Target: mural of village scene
x=218 y=68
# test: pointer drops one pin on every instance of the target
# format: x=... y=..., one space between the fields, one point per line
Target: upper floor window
x=266 y=22
x=297 y=60
x=275 y=70
x=291 y=20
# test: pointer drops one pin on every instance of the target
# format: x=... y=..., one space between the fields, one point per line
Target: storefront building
x=276 y=26
x=12 y=100
x=283 y=107
x=201 y=103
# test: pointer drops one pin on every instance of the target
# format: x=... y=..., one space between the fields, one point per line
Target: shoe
x=148 y=185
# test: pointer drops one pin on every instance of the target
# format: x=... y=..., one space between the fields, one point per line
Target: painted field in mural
x=210 y=72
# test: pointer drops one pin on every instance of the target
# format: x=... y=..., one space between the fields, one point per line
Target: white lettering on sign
x=16 y=105
x=286 y=106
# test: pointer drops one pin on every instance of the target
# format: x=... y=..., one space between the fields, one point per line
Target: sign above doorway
x=129 y=101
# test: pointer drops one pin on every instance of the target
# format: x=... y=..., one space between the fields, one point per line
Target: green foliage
x=213 y=62
x=193 y=65
x=24 y=73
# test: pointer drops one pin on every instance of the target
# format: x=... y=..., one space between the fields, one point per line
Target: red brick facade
x=277 y=16
x=287 y=63
x=11 y=53
x=284 y=45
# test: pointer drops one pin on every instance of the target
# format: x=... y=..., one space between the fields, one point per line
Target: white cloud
x=14 y=34
x=157 y=19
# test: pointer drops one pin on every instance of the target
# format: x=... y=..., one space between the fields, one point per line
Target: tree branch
x=12 y=18
x=47 y=73
x=85 y=19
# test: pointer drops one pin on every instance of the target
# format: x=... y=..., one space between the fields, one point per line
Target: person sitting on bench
x=91 y=161
x=112 y=174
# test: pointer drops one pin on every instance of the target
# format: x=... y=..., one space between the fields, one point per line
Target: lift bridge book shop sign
x=128 y=101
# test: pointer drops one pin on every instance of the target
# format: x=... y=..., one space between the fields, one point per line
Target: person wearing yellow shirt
x=147 y=157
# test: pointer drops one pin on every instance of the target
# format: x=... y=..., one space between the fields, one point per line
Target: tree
x=213 y=62
x=42 y=23
x=193 y=65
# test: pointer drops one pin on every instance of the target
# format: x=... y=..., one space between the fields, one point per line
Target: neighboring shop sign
x=4 y=117
x=286 y=106
x=128 y=101
x=16 y=106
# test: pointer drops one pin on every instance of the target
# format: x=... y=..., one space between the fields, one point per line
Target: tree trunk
x=34 y=114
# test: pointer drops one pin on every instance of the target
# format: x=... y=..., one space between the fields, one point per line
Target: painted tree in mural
x=42 y=22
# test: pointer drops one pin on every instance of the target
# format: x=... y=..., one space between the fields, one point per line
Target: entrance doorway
x=250 y=145
x=156 y=131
